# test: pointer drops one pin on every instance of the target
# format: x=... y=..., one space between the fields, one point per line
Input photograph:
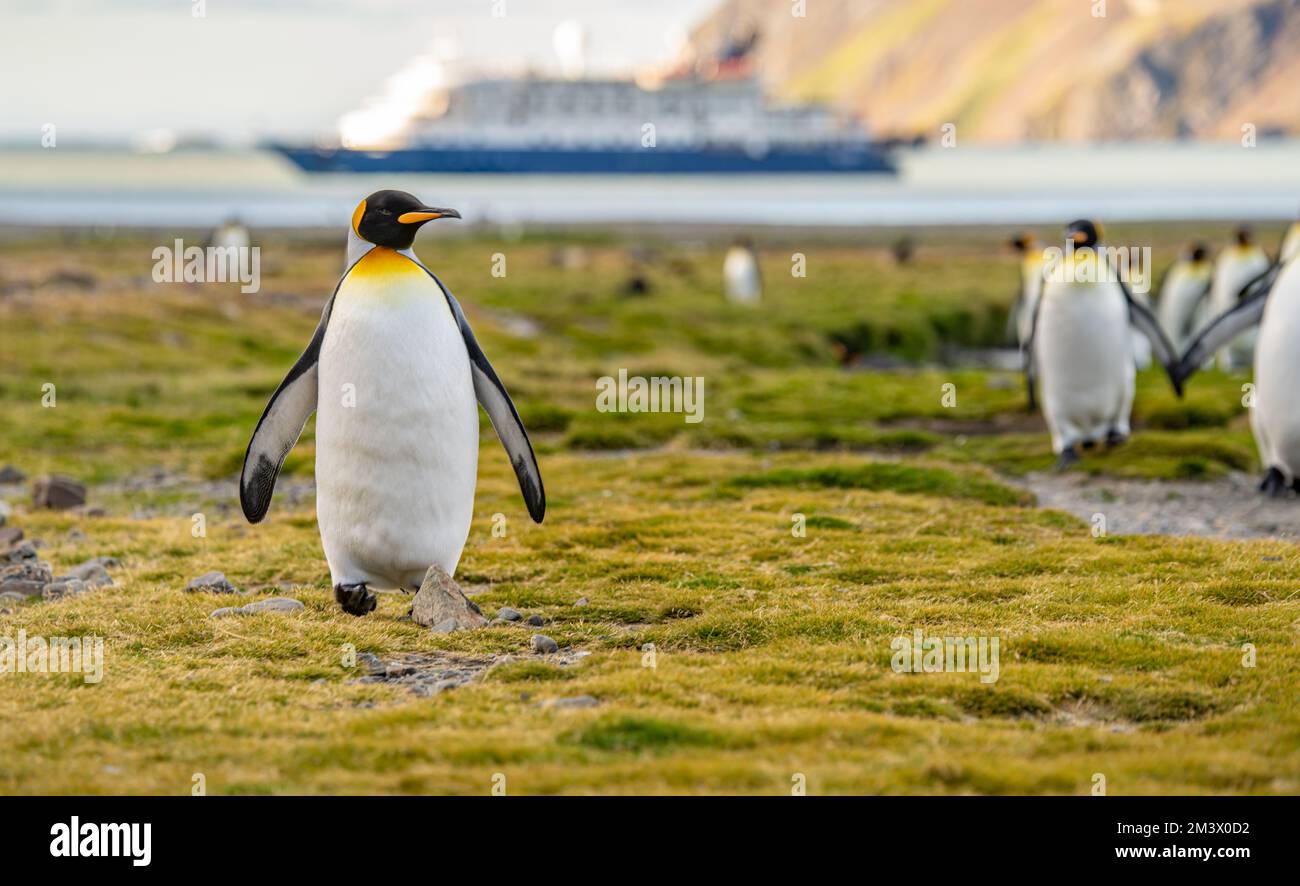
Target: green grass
x=771 y=649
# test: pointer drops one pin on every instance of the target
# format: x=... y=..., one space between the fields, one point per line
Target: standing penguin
x=1237 y=266
x=1182 y=294
x=230 y=234
x=1031 y=284
x=1273 y=303
x=393 y=372
x=744 y=282
x=1081 y=347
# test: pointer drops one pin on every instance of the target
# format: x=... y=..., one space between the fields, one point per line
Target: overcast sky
x=117 y=68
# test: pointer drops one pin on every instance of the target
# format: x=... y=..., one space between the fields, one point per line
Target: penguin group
x=1264 y=312
x=1080 y=347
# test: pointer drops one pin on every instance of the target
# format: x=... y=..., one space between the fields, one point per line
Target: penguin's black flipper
x=281 y=423
x=1220 y=331
x=1031 y=371
x=496 y=402
x=1163 y=349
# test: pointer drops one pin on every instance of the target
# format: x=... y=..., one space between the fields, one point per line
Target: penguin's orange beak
x=429 y=213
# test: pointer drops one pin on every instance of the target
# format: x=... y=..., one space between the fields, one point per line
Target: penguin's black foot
x=1089 y=444
x=1273 y=483
x=355 y=599
x=1066 y=459
x=1115 y=438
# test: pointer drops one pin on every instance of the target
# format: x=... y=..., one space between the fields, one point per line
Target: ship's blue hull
x=553 y=161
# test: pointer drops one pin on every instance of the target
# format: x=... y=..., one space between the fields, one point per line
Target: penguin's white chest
x=1085 y=357
x=396 y=428
x=1274 y=419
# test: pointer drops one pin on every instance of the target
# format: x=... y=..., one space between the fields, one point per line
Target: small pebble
x=274 y=604
x=582 y=601
x=544 y=644
x=536 y=621
x=212 y=583
x=505 y=613
x=371 y=663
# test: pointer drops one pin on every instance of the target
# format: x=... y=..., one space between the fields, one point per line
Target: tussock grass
x=771 y=652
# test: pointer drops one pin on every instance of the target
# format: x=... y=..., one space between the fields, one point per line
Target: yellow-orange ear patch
x=356 y=217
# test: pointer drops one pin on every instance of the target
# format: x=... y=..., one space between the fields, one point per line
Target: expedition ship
x=711 y=118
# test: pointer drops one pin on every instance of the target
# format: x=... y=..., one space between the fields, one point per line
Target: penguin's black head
x=1198 y=252
x=1083 y=233
x=392 y=218
x=1244 y=235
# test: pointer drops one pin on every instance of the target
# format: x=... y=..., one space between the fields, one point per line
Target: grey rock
x=505 y=613
x=577 y=701
x=71 y=587
x=9 y=536
x=440 y=600
x=544 y=644
x=226 y=611
x=76 y=535
x=371 y=663
x=9 y=475
x=12 y=597
x=211 y=583
x=582 y=601
x=27 y=577
x=91 y=572
x=24 y=550
x=58 y=493
x=274 y=604
x=536 y=621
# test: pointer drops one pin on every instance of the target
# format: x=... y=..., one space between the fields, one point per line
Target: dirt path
x=1228 y=508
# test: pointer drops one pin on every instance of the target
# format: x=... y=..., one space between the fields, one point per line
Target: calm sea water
x=936 y=186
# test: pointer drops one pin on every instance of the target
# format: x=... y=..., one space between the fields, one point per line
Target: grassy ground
x=771 y=650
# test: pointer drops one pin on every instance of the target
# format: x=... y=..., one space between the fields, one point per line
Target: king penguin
x=1237 y=266
x=1183 y=292
x=744 y=283
x=1273 y=304
x=1081 y=348
x=1031 y=284
x=393 y=373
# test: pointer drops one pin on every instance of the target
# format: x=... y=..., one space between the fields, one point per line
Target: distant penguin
x=740 y=273
x=393 y=373
x=1272 y=304
x=1236 y=266
x=1082 y=351
x=1031 y=284
x=1182 y=305
x=230 y=234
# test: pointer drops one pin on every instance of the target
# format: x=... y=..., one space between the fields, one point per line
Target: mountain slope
x=1012 y=70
